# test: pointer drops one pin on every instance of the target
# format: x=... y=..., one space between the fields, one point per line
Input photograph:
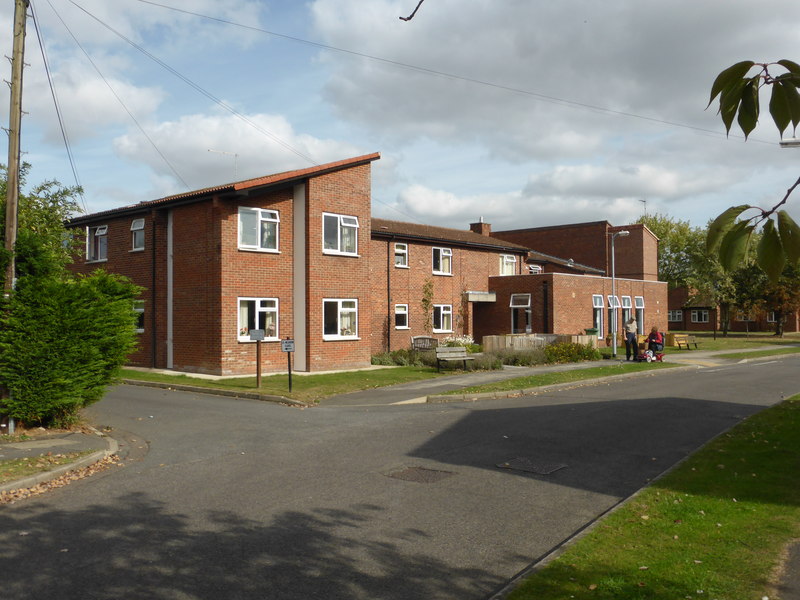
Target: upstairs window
x=535 y=269
x=442 y=261
x=97 y=243
x=401 y=255
x=258 y=229
x=508 y=264
x=339 y=234
x=137 y=234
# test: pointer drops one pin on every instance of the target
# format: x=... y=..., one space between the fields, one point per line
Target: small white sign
x=287 y=345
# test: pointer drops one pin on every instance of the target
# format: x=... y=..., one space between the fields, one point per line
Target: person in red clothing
x=655 y=341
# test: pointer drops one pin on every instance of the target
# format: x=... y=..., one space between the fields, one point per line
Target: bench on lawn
x=682 y=339
x=423 y=342
x=445 y=353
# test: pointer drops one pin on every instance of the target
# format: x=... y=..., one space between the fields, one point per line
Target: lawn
x=11 y=470
x=713 y=528
x=305 y=388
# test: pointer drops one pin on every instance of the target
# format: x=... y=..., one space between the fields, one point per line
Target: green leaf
x=728 y=77
x=769 y=253
x=721 y=225
x=729 y=102
x=779 y=108
x=792 y=101
x=748 y=110
x=733 y=247
x=789 y=65
x=790 y=236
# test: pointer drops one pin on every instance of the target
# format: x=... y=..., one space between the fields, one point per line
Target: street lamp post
x=614 y=319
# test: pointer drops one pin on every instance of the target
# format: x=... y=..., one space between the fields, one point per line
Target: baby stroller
x=655 y=353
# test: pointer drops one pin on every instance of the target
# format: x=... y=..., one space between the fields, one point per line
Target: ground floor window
x=138 y=309
x=401 y=316
x=772 y=317
x=675 y=316
x=258 y=313
x=744 y=316
x=700 y=316
x=340 y=318
x=442 y=318
x=520 y=305
x=597 y=319
x=638 y=302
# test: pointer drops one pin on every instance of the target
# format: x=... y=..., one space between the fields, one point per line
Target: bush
x=395 y=358
x=62 y=342
x=462 y=340
x=570 y=352
x=522 y=358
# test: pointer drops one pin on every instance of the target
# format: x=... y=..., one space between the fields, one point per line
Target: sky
x=524 y=114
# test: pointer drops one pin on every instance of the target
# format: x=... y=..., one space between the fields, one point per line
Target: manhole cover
x=420 y=475
x=531 y=466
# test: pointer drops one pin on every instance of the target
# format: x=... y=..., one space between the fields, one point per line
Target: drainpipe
x=389 y=295
x=153 y=284
x=545 y=307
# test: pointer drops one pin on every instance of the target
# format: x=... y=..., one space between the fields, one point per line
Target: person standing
x=631 y=343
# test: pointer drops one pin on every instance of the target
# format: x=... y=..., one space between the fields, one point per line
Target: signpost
x=287 y=346
x=257 y=335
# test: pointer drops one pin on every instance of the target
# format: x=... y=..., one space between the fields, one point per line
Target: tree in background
x=63 y=338
x=681 y=248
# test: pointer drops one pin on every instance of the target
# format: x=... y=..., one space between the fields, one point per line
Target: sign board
x=256 y=335
x=287 y=345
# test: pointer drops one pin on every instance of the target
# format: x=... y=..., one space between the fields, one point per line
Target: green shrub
x=522 y=358
x=402 y=358
x=62 y=342
x=564 y=352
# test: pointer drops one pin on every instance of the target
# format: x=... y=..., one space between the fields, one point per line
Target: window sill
x=136 y=250
x=399 y=328
x=442 y=331
x=340 y=338
x=247 y=340
x=442 y=274
x=260 y=250
x=402 y=267
x=335 y=253
x=96 y=260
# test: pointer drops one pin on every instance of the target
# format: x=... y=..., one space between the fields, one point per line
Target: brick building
x=297 y=255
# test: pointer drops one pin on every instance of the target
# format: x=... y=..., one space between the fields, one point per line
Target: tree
x=63 y=337
x=730 y=234
x=681 y=248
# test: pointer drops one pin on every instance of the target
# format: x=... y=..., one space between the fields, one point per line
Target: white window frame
x=597 y=301
x=401 y=311
x=344 y=225
x=613 y=302
x=675 y=316
x=137 y=235
x=343 y=308
x=597 y=313
x=94 y=245
x=401 y=255
x=508 y=264
x=243 y=331
x=535 y=269
x=262 y=216
x=445 y=255
x=445 y=314
x=520 y=301
x=138 y=308
x=700 y=315
x=744 y=317
x=771 y=317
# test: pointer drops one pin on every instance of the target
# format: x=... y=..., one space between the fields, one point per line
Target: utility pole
x=15 y=123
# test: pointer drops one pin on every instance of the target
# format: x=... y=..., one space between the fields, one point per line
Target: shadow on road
x=132 y=548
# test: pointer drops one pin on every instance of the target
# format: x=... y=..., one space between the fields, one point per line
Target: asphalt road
x=221 y=498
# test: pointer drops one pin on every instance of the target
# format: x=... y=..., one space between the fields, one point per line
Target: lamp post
x=614 y=319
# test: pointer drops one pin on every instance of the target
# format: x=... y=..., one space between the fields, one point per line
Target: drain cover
x=420 y=475
x=531 y=466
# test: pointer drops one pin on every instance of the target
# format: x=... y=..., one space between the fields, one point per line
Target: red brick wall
x=582 y=242
x=471 y=268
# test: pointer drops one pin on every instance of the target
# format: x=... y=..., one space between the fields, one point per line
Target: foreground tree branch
x=411 y=16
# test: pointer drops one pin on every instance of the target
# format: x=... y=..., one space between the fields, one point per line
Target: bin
x=591 y=331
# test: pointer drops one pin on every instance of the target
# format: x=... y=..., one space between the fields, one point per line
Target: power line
x=56 y=104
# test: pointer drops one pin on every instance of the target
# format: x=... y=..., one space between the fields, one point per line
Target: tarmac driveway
x=224 y=498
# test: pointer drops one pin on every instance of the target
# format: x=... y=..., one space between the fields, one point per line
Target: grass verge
x=18 y=468
x=305 y=388
x=760 y=353
x=713 y=528
x=540 y=379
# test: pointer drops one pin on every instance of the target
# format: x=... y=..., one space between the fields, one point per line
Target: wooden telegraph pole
x=15 y=123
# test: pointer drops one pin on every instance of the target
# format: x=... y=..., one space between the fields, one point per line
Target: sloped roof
x=238 y=186
x=429 y=233
x=541 y=257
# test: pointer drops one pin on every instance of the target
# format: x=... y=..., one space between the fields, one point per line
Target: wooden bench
x=423 y=342
x=682 y=339
x=445 y=353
